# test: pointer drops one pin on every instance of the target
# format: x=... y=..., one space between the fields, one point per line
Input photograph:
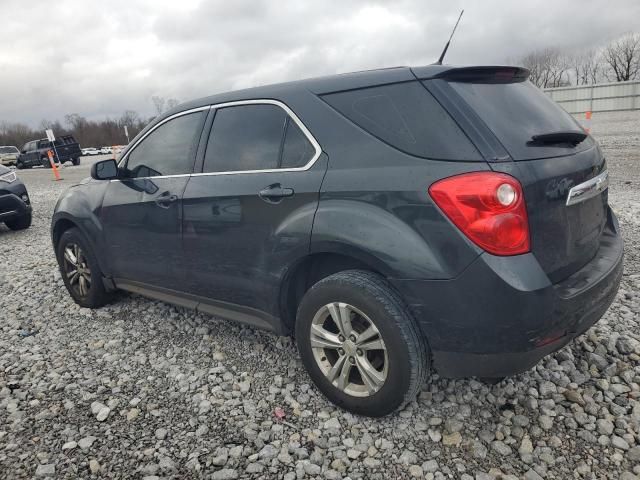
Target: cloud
x=101 y=58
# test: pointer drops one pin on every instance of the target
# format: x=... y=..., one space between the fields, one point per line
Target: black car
x=395 y=221
x=35 y=153
x=15 y=206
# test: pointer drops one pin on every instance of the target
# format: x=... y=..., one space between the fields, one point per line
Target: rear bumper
x=12 y=205
x=502 y=315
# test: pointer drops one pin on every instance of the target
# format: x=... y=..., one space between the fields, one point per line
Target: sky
x=99 y=58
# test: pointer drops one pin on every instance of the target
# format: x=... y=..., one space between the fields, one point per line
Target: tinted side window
x=407 y=117
x=297 y=150
x=168 y=150
x=246 y=137
x=44 y=144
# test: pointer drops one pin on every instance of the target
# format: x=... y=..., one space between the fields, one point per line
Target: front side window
x=168 y=150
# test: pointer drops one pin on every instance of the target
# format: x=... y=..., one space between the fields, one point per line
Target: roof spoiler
x=486 y=74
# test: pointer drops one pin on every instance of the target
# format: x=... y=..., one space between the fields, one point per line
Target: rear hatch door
x=549 y=153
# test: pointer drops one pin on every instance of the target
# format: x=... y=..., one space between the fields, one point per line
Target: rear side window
x=246 y=137
x=515 y=112
x=407 y=117
x=255 y=137
x=297 y=150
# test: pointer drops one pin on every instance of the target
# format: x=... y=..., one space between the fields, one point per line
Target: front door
x=251 y=210
x=142 y=211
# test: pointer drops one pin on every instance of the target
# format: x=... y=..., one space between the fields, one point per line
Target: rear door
x=31 y=155
x=251 y=209
x=563 y=237
x=142 y=212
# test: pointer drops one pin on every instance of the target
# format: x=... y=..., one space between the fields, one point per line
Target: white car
x=106 y=150
x=90 y=151
x=9 y=155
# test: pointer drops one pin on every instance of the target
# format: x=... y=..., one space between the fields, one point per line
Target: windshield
x=515 y=112
x=9 y=150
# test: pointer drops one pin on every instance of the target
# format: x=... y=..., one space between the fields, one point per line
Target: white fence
x=601 y=97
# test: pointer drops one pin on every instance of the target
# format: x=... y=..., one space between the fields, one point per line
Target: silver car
x=8 y=155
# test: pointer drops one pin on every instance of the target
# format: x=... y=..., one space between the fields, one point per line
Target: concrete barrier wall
x=601 y=97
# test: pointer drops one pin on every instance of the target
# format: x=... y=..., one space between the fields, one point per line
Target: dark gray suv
x=395 y=221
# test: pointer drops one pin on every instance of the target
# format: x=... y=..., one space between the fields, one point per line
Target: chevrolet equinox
x=396 y=222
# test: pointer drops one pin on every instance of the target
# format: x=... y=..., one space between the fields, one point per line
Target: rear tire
x=374 y=333
x=20 y=223
x=80 y=271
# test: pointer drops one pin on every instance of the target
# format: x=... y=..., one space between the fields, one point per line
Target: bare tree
x=171 y=103
x=159 y=103
x=87 y=132
x=586 y=66
x=623 y=58
x=548 y=67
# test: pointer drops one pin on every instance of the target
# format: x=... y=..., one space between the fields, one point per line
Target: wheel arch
x=63 y=221
x=60 y=226
x=310 y=269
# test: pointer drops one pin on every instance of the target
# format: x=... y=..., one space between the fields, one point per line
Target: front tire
x=80 y=271
x=20 y=223
x=360 y=344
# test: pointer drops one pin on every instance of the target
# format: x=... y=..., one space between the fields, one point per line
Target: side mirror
x=104 y=170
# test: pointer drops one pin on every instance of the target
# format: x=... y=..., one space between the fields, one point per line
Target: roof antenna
x=446 y=47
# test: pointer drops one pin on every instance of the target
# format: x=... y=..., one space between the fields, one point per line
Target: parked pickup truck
x=34 y=153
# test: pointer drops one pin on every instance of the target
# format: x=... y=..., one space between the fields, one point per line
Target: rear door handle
x=166 y=199
x=275 y=193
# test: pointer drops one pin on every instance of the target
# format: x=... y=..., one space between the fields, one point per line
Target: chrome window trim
x=159 y=124
x=588 y=189
x=263 y=101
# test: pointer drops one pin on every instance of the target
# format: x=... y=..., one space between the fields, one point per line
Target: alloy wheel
x=76 y=268
x=349 y=349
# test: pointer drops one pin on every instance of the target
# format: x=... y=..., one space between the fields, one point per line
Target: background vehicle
x=8 y=155
x=34 y=153
x=90 y=151
x=15 y=206
x=106 y=150
x=393 y=220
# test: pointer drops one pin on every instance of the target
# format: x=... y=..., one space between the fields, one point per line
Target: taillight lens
x=488 y=207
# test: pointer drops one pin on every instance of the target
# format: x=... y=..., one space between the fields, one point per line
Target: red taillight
x=488 y=207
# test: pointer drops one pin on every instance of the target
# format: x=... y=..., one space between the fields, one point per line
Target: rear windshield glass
x=517 y=111
x=9 y=150
x=407 y=117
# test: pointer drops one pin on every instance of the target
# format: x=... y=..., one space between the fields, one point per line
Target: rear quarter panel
x=374 y=205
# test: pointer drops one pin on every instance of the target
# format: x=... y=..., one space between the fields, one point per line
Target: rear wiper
x=574 y=137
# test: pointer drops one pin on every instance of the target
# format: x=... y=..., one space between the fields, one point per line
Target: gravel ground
x=143 y=389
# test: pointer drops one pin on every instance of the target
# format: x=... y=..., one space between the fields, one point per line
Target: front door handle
x=275 y=193
x=166 y=199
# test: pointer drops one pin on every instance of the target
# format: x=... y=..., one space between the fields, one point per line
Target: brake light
x=488 y=207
